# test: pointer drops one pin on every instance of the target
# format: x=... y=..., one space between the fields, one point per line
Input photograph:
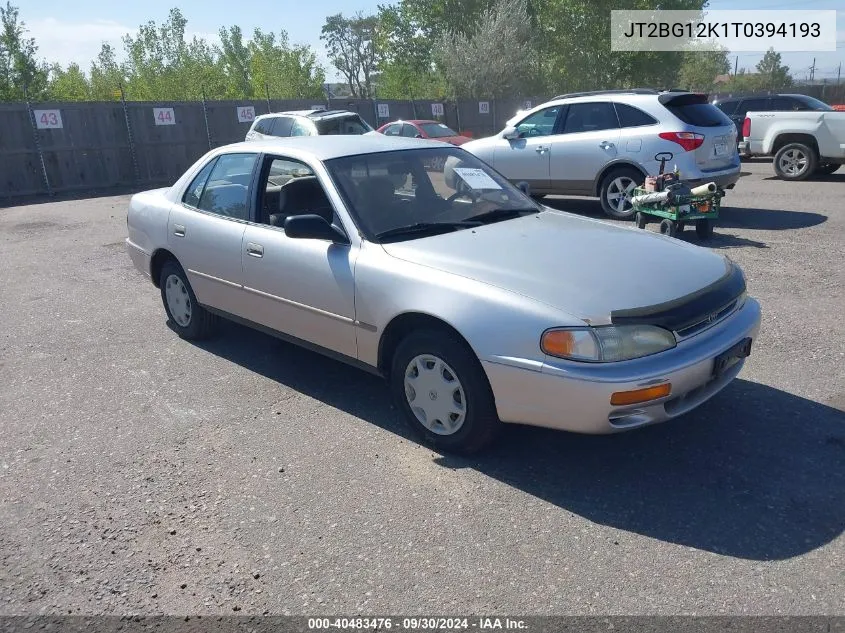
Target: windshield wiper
x=500 y=214
x=425 y=227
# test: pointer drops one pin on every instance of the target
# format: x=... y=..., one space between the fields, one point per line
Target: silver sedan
x=416 y=261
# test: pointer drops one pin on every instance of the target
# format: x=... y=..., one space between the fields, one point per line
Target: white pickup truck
x=803 y=143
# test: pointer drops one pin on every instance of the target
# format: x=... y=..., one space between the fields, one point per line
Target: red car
x=419 y=128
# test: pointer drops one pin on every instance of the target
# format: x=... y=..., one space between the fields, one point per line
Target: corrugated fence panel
x=92 y=150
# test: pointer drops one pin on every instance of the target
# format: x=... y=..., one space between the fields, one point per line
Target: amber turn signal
x=636 y=396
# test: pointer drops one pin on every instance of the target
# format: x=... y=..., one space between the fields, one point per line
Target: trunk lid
x=718 y=150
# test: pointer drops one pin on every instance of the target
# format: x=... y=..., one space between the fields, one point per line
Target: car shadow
x=729 y=217
x=755 y=473
x=837 y=177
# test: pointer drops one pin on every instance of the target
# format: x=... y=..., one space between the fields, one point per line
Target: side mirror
x=314 y=227
x=418 y=136
x=524 y=187
x=510 y=133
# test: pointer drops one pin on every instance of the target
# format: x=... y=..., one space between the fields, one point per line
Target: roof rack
x=628 y=91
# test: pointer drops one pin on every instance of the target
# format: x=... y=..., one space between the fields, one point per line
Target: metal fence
x=49 y=148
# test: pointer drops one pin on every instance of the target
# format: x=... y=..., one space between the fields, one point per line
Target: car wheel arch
x=621 y=164
x=786 y=138
x=157 y=261
x=404 y=323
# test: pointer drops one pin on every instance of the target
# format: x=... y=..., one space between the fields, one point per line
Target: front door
x=304 y=288
x=205 y=229
x=588 y=141
x=527 y=158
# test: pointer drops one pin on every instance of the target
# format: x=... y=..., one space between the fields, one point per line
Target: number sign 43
x=48 y=119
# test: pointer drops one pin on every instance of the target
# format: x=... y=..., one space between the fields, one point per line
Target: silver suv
x=306 y=123
x=604 y=144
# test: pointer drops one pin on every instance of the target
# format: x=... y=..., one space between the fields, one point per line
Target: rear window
x=700 y=114
x=728 y=107
x=352 y=124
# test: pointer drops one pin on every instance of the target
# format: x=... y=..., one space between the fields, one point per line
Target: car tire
x=457 y=393
x=704 y=228
x=825 y=169
x=795 y=161
x=642 y=219
x=668 y=227
x=186 y=316
x=617 y=181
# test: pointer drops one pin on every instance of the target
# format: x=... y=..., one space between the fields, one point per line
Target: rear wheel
x=795 y=161
x=440 y=387
x=704 y=228
x=825 y=169
x=190 y=320
x=616 y=190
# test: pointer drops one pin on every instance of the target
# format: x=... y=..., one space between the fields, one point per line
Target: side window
x=541 y=123
x=262 y=126
x=227 y=190
x=300 y=128
x=194 y=191
x=630 y=116
x=392 y=129
x=409 y=131
x=786 y=103
x=590 y=117
x=728 y=107
x=281 y=126
x=290 y=187
x=755 y=105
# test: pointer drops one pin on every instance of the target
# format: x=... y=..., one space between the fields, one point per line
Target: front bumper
x=575 y=397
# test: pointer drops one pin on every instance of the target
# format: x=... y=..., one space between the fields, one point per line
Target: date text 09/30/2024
x=415 y=624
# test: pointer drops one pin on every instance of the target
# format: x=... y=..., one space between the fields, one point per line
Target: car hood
x=586 y=268
x=455 y=140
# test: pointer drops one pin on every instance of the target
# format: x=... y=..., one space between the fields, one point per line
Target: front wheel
x=641 y=219
x=795 y=161
x=190 y=320
x=669 y=227
x=440 y=387
x=616 y=190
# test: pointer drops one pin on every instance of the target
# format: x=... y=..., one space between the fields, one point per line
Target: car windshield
x=349 y=124
x=426 y=191
x=815 y=104
x=437 y=130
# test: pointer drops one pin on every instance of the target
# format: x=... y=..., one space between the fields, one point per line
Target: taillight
x=746 y=127
x=688 y=140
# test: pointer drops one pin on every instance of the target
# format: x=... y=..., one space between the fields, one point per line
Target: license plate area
x=724 y=361
x=720 y=149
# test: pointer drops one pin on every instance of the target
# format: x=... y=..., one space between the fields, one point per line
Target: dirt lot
x=143 y=473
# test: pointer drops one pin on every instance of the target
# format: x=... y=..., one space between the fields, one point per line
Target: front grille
x=708 y=321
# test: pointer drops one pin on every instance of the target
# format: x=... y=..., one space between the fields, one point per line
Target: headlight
x=606 y=344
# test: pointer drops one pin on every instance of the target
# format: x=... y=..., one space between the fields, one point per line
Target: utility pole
x=813 y=69
x=838 y=73
x=736 y=64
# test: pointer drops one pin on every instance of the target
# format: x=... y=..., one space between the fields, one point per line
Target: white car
x=605 y=143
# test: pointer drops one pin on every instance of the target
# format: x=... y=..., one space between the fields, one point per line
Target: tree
x=235 y=58
x=493 y=57
x=106 y=76
x=68 y=85
x=699 y=69
x=20 y=71
x=773 y=74
x=282 y=70
x=353 y=50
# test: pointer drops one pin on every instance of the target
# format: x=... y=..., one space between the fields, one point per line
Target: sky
x=73 y=30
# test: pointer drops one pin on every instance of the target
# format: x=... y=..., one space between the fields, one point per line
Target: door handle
x=179 y=230
x=254 y=250
x=605 y=145
x=540 y=149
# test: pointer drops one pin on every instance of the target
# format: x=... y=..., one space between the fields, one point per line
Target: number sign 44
x=164 y=116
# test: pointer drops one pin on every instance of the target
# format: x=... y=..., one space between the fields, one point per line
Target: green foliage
x=773 y=74
x=354 y=46
x=68 y=85
x=699 y=69
x=21 y=74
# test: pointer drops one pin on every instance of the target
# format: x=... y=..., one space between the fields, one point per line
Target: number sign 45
x=48 y=119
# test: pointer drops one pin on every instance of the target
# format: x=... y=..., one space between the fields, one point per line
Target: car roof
x=311 y=114
x=330 y=146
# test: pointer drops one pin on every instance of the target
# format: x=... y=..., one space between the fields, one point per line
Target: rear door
x=588 y=140
x=718 y=150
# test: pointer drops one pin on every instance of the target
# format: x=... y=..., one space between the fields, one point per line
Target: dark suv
x=307 y=123
x=737 y=107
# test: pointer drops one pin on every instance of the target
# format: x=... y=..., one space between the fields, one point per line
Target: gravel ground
x=142 y=473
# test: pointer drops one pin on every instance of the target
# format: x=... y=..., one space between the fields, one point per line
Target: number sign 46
x=164 y=116
x=48 y=119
